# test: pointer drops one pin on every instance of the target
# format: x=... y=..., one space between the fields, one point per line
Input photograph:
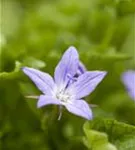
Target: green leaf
x=97 y=140
x=104 y=60
x=33 y=62
x=100 y=132
x=126 y=7
x=14 y=75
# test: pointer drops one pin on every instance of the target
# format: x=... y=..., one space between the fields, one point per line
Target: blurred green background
x=35 y=34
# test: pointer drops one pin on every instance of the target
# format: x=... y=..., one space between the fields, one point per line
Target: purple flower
x=128 y=79
x=81 y=69
x=71 y=83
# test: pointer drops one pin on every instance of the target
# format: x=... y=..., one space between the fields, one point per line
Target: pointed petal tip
x=90 y=117
x=23 y=68
x=72 y=49
x=104 y=73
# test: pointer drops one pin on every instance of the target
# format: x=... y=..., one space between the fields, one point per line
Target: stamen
x=32 y=96
x=63 y=96
x=60 y=112
x=93 y=105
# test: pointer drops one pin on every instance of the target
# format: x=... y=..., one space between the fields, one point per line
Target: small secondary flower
x=128 y=79
x=70 y=85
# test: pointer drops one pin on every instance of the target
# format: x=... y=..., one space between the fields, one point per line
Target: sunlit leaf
x=100 y=132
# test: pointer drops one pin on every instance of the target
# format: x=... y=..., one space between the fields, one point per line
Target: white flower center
x=63 y=96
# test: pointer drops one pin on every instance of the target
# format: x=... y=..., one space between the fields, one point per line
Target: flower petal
x=129 y=81
x=81 y=68
x=87 y=82
x=47 y=100
x=42 y=80
x=79 y=108
x=67 y=65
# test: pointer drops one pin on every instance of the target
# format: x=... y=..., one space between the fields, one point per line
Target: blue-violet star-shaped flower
x=128 y=79
x=71 y=83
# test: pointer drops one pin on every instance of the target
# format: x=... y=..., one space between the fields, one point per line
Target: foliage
x=120 y=134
